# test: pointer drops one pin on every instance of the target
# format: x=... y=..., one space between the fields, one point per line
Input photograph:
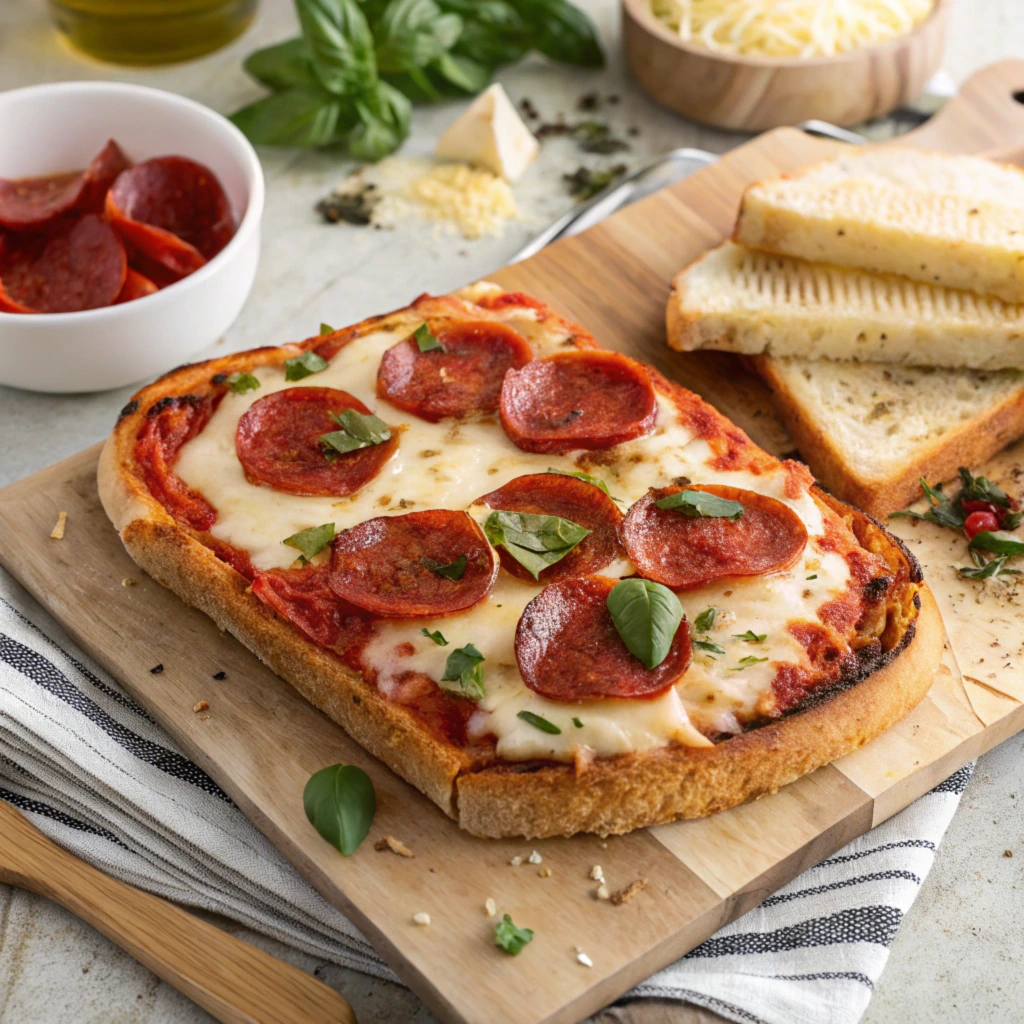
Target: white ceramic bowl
x=46 y=129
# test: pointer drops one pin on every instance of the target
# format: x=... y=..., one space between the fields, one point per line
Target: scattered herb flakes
x=437 y=636
x=707 y=645
x=511 y=938
x=988 y=570
x=597 y=137
x=705 y=622
x=750 y=637
x=539 y=722
x=813 y=576
x=240 y=382
x=452 y=571
x=746 y=663
x=464 y=672
x=156 y=670
x=326 y=328
x=577 y=722
x=425 y=341
x=585 y=182
x=305 y=365
x=312 y=541
x=351 y=206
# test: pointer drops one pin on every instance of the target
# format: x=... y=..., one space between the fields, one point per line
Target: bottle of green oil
x=151 y=31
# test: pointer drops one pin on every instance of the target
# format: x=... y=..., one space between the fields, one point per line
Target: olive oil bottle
x=151 y=31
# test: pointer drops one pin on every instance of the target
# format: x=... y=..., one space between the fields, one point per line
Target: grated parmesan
x=790 y=28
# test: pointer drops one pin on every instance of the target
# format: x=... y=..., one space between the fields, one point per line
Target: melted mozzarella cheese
x=451 y=464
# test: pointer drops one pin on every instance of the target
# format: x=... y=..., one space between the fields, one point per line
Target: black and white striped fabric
x=92 y=770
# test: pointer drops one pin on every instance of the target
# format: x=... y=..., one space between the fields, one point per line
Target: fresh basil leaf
x=646 y=615
x=707 y=645
x=425 y=341
x=751 y=637
x=942 y=511
x=746 y=663
x=998 y=542
x=509 y=937
x=577 y=723
x=437 y=636
x=240 y=383
x=305 y=365
x=562 y=32
x=383 y=122
x=358 y=430
x=340 y=44
x=466 y=74
x=700 y=504
x=299 y=116
x=535 y=541
x=705 y=622
x=491 y=46
x=282 y=65
x=586 y=477
x=1011 y=520
x=979 y=488
x=340 y=804
x=997 y=567
x=412 y=33
x=326 y=329
x=464 y=669
x=312 y=541
x=539 y=722
x=453 y=570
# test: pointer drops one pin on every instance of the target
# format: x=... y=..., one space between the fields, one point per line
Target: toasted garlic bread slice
x=955 y=221
x=869 y=431
x=736 y=299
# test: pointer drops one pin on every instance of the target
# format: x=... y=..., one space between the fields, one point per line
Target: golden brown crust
x=613 y=795
x=966 y=444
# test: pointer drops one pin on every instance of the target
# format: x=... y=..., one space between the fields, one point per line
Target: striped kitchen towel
x=90 y=768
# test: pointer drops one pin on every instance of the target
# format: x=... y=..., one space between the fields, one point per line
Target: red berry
x=980 y=522
x=981 y=506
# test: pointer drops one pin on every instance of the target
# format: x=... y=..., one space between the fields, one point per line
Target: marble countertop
x=957 y=955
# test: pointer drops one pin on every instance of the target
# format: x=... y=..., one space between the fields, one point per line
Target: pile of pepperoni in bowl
x=109 y=234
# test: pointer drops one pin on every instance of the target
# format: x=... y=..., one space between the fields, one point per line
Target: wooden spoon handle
x=230 y=979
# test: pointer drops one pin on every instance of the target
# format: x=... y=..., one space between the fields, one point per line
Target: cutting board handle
x=986 y=115
x=233 y=981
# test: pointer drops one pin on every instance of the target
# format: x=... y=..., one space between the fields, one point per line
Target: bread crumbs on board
x=57 y=533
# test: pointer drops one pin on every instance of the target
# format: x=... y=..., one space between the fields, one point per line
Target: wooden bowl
x=757 y=93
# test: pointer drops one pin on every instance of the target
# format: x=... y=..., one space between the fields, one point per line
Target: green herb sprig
x=535 y=541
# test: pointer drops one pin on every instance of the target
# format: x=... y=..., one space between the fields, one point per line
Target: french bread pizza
x=553 y=590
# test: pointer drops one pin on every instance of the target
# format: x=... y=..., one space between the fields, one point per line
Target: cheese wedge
x=490 y=134
x=953 y=221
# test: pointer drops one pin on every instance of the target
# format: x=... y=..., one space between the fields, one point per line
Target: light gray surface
x=957 y=956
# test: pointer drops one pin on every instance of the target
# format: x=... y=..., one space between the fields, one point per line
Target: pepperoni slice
x=568 y=648
x=100 y=175
x=174 y=210
x=551 y=494
x=383 y=565
x=278 y=444
x=169 y=424
x=303 y=597
x=136 y=286
x=78 y=265
x=672 y=548
x=462 y=377
x=27 y=204
x=581 y=399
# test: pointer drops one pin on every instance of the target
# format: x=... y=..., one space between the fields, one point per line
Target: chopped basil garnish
x=813 y=576
x=304 y=366
x=751 y=637
x=944 y=511
x=999 y=543
x=240 y=382
x=453 y=570
x=425 y=341
x=746 y=663
x=464 y=670
x=700 y=504
x=340 y=804
x=541 y=723
x=312 y=541
x=705 y=621
x=707 y=645
x=577 y=723
x=585 y=477
x=509 y=937
x=646 y=615
x=358 y=430
x=436 y=636
x=535 y=541
x=987 y=570
x=326 y=329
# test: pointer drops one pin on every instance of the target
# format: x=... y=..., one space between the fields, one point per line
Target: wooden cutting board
x=261 y=741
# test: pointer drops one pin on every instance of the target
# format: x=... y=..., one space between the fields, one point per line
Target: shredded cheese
x=790 y=28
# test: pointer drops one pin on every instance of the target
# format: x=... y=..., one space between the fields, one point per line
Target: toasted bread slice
x=739 y=300
x=869 y=431
x=955 y=221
